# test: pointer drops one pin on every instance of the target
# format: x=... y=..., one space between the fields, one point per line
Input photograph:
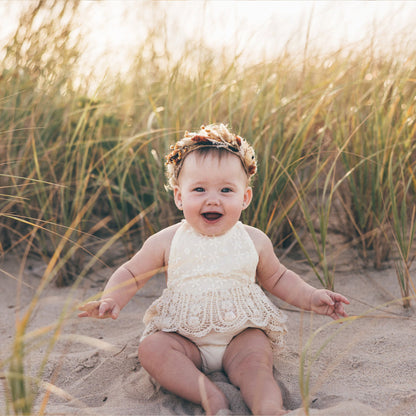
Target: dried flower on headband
x=216 y=136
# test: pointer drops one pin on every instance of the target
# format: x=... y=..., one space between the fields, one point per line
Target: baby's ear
x=178 y=197
x=248 y=195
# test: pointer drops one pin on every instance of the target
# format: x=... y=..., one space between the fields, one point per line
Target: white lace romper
x=212 y=294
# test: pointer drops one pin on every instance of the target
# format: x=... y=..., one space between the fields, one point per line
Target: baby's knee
x=160 y=345
x=254 y=354
x=257 y=359
x=150 y=348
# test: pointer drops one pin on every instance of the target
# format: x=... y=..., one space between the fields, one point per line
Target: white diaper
x=212 y=348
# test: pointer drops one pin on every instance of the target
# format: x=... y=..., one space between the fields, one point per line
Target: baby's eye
x=226 y=190
x=199 y=189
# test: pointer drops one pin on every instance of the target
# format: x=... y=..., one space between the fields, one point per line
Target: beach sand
x=366 y=367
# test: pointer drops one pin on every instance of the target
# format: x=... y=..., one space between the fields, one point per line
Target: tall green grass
x=81 y=169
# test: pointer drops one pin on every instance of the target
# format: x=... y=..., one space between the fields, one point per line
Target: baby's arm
x=288 y=286
x=130 y=277
x=117 y=293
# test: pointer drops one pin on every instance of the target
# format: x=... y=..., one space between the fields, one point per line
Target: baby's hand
x=100 y=309
x=329 y=303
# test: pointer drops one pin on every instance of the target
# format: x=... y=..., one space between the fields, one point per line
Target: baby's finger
x=334 y=316
x=339 y=298
x=104 y=309
x=339 y=309
x=326 y=298
x=89 y=307
x=115 y=312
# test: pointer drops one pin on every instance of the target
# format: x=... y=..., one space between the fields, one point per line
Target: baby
x=213 y=315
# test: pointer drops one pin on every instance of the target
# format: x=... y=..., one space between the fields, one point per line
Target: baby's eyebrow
x=229 y=184
x=196 y=184
x=221 y=184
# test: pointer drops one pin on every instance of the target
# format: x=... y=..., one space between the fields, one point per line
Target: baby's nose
x=213 y=199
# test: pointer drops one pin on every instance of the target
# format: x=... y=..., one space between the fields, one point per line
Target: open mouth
x=212 y=216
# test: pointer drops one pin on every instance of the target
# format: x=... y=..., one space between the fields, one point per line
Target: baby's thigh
x=165 y=346
x=250 y=348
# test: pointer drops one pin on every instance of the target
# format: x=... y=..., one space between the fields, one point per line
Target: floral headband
x=216 y=136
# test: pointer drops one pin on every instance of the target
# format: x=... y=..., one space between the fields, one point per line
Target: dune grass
x=81 y=170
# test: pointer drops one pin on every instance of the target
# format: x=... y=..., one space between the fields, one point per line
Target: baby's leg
x=175 y=363
x=248 y=362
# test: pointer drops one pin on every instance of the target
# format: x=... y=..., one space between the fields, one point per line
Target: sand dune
x=367 y=368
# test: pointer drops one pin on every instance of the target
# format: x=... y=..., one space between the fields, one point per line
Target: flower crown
x=215 y=136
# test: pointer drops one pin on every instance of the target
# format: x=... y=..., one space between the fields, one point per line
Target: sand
x=366 y=368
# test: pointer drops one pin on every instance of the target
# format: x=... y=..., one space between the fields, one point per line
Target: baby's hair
x=215 y=137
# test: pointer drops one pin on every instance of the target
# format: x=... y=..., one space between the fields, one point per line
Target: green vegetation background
x=334 y=135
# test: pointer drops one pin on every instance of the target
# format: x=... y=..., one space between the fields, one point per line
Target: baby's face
x=212 y=192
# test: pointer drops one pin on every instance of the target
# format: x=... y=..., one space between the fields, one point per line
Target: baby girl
x=213 y=315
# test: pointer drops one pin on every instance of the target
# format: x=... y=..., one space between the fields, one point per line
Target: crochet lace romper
x=211 y=287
